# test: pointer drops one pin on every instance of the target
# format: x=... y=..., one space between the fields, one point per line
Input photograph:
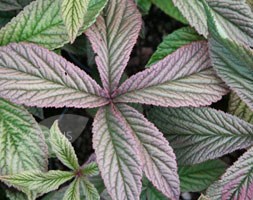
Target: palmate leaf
x=234 y=17
x=183 y=78
x=73 y=12
x=41 y=182
x=159 y=161
x=237 y=182
x=73 y=191
x=117 y=155
x=34 y=76
x=174 y=41
x=63 y=148
x=196 y=178
x=199 y=134
x=113 y=37
x=238 y=108
x=41 y=23
x=22 y=144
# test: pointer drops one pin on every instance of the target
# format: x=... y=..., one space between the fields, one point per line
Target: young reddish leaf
x=237 y=182
x=159 y=161
x=113 y=37
x=200 y=134
x=184 y=78
x=117 y=155
x=34 y=76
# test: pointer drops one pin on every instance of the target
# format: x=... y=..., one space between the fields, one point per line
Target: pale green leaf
x=46 y=132
x=237 y=182
x=199 y=134
x=90 y=169
x=168 y=7
x=203 y=197
x=41 y=182
x=89 y=190
x=73 y=191
x=41 y=23
x=196 y=178
x=174 y=41
x=234 y=17
x=63 y=148
x=73 y=12
x=22 y=144
x=238 y=108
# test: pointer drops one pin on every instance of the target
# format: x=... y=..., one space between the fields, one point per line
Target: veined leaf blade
x=89 y=190
x=73 y=191
x=63 y=148
x=41 y=182
x=112 y=37
x=174 y=41
x=235 y=17
x=34 y=76
x=41 y=23
x=159 y=161
x=184 y=78
x=200 y=134
x=238 y=108
x=73 y=12
x=117 y=155
x=237 y=182
x=22 y=143
x=196 y=178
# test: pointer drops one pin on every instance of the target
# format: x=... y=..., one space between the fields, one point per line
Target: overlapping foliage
x=186 y=71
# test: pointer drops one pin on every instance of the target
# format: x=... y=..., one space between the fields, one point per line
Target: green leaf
x=200 y=134
x=63 y=148
x=90 y=169
x=73 y=191
x=22 y=144
x=89 y=190
x=73 y=12
x=41 y=182
x=168 y=7
x=144 y=5
x=203 y=197
x=235 y=18
x=41 y=23
x=198 y=177
x=174 y=41
x=238 y=108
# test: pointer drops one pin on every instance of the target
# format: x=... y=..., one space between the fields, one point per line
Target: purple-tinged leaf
x=237 y=182
x=184 y=78
x=113 y=37
x=117 y=155
x=34 y=76
x=159 y=161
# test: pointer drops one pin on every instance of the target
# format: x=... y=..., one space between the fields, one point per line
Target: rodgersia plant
x=127 y=145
